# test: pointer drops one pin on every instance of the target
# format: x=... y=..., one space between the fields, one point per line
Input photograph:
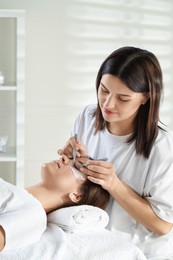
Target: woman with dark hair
x=23 y=217
x=124 y=126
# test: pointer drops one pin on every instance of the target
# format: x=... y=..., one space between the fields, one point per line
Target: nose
x=65 y=159
x=110 y=102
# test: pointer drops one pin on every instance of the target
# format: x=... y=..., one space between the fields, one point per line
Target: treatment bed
x=77 y=233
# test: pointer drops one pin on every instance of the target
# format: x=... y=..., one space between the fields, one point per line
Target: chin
x=45 y=174
x=110 y=120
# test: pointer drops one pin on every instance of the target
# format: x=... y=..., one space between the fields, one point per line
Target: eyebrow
x=124 y=95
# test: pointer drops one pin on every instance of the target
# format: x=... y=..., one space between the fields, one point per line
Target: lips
x=108 y=112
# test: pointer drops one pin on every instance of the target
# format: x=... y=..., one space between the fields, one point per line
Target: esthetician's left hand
x=100 y=172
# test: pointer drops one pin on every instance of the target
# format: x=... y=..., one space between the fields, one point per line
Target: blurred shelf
x=8 y=88
x=5 y=157
x=12 y=93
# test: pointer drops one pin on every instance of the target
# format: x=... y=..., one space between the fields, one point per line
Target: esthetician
x=124 y=126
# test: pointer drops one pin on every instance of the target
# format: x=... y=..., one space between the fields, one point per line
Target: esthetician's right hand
x=72 y=143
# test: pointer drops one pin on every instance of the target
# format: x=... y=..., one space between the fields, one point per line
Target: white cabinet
x=12 y=94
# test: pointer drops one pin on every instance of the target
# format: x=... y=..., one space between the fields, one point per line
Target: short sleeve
x=5 y=195
x=22 y=218
x=159 y=184
x=83 y=121
x=20 y=227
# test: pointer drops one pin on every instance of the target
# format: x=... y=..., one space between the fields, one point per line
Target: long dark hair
x=93 y=194
x=140 y=71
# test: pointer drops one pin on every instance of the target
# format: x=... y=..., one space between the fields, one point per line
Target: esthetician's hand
x=101 y=172
x=72 y=143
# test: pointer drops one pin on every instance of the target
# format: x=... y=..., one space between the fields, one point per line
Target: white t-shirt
x=21 y=216
x=151 y=178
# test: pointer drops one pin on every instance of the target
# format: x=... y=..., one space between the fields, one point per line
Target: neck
x=117 y=130
x=50 y=199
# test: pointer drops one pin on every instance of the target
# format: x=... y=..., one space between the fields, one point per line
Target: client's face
x=62 y=176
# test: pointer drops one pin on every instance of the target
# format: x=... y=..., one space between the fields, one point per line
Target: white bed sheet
x=56 y=244
x=84 y=238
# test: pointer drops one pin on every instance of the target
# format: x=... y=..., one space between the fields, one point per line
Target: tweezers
x=90 y=158
x=74 y=151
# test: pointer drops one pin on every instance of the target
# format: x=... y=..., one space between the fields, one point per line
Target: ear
x=75 y=196
x=145 y=98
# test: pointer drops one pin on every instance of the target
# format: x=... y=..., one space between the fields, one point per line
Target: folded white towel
x=83 y=218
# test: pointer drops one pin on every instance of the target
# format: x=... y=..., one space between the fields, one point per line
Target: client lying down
x=23 y=212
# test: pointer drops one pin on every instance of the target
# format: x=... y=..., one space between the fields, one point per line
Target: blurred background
x=65 y=44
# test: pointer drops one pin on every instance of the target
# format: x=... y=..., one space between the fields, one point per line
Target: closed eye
x=123 y=100
x=104 y=90
x=120 y=97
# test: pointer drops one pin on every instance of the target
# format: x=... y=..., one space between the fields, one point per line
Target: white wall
x=60 y=80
